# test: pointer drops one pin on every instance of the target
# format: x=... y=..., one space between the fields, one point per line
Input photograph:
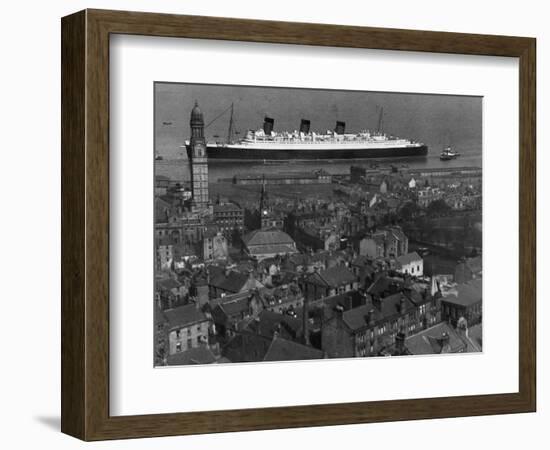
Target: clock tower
x=198 y=160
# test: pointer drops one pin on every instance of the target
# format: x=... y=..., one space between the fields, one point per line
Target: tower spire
x=263 y=197
x=198 y=159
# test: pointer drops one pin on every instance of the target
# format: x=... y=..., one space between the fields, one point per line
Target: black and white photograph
x=304 y=224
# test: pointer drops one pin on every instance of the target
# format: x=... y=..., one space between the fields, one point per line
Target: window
x=178 y=346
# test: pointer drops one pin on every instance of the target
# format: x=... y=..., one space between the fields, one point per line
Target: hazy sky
x=437 y=120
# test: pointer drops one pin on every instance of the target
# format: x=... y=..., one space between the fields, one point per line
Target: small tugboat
x=448 y=154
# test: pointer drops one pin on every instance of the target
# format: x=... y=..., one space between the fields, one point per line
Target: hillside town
x=382 y=261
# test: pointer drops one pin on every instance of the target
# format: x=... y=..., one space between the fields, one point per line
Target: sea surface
x=178 y=169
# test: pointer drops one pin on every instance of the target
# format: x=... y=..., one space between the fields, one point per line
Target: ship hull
x=218 y=152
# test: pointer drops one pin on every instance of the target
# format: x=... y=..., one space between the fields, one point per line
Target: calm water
x=178 y=169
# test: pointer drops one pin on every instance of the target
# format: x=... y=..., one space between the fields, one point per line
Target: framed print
x=274 y=225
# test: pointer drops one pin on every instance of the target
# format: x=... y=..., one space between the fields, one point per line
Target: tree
x=438 y=207
x=408 y=211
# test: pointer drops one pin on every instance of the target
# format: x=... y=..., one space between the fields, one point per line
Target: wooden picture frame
x=85 y=224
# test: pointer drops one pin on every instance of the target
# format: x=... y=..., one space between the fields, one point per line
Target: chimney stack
x=268 y=125
x=370 y=318
x=402 y=305
x=339 y=309
x=304 y=126
x=340 y=127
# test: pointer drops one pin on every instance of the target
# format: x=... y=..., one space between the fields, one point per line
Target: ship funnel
x=340 y=127
x=268 y=125
x=304 y=126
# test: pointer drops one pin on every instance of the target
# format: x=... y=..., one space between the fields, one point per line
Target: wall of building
x=187 y=337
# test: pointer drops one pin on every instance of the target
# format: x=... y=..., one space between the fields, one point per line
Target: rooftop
x=232 y=282
x=197 y=355
x=333 y=277
x=432 y=340
x=285 y=350
x=403 y=260
x=183 y=316
x=466 y=294
x=227 y=207
x=267 y=237
x=272 y=249
x=268 y=323
x=356 y=318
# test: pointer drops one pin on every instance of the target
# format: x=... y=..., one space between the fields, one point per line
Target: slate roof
x=233 y=282
x=360 y=261
x=333 y=277
x=197 y=355
x=227 y=207
x=403 y=260
x=267 y=237
x=356 y=318
x=268 y=322
x=467 y=294
x=284 y=350
x=430 y=341
x=246 y=347
x=275 y=249
x=385 y=284
x=183 y=316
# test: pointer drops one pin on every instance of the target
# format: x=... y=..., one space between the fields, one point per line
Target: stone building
x=388 y=242
x=187 y=327
x=228 y=217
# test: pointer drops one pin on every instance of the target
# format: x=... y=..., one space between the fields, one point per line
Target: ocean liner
x=304 y=144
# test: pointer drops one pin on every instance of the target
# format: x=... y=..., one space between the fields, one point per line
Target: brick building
x=371 y=328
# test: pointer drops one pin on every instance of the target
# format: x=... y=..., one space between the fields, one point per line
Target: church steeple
x=265 y=214
x=263 y=198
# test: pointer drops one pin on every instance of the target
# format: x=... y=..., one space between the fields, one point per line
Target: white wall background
x=30 y=220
